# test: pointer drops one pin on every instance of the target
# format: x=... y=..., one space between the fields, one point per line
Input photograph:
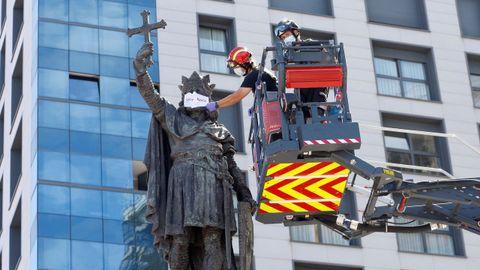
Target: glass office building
x=89 y=136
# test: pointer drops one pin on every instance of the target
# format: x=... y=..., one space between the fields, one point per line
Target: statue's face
x=196 y=91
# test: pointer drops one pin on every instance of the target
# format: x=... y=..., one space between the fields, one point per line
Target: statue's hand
x=143 y=59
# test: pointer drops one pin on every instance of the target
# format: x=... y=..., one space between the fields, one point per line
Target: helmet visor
x=232 y=64
x=280 y=29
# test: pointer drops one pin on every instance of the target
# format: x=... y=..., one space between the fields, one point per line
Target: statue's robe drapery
x=187 y=169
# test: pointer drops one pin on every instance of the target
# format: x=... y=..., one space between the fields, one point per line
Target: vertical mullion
x=400 y=76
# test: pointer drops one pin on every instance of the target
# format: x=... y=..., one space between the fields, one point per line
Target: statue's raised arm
x=145 y=86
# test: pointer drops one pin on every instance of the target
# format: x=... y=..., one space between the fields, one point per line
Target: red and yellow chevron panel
x=303 y=187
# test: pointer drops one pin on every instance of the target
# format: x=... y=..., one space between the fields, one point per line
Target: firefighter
x=288 y=32
x=242 y=63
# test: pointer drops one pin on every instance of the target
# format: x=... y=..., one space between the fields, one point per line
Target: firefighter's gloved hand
x=212 y=106
x=143 y=59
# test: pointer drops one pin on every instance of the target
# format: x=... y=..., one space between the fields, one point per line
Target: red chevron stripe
x=329 y=187
x=275 y=190
x=287 y=169
x=302 y=189
x=279 y=207
x=314 y=168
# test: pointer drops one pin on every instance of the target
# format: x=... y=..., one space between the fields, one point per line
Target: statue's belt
x=219 y=165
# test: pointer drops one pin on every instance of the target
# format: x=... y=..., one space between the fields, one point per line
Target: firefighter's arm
x=234 y=98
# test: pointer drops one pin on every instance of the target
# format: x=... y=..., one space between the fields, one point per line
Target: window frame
x=459 y=19
x=425 y=28
x=473 y=68
x=402 y=79
x=331 y=15
x=226 y=24
x=455 y=234
x=405 y=52
x=219 y=94
x=419 y=124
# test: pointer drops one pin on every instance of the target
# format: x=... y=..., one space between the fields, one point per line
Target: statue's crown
x=197 y=83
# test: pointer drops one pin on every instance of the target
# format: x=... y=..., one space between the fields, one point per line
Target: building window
x=17 y=21
x=415 y=149
x=468 y=11
x=307 y=34
x=2 y=68
x=311 y=266
x=406 y=72
x=16 y=161
x=322 y=234
x=318 y=7
x=216 y=39
x=231 y=117
x=407 y=13
x=474 y=69
x=17 y=86
x=2 y=129
x=445 y=241
x=3 y=15
x=84 y=89
x=16 y=237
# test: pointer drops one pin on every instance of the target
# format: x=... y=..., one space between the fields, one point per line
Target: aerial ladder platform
x=304 y=162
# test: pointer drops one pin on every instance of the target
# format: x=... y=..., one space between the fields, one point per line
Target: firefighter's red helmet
x=239 y=56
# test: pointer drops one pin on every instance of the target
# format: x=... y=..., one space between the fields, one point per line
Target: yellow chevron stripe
x=288 y=189
x=325 y=169
x=300 y=169
x=277 y=168
x=268 y=209
x=272 y=197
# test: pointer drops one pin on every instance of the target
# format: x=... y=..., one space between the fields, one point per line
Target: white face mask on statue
x=239 y=71
x=289 y=40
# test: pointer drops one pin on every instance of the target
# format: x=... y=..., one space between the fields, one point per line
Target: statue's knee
x=212 y=236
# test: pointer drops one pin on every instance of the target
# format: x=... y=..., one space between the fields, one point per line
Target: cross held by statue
x=146 y=28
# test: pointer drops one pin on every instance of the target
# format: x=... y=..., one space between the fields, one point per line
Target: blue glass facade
x=90 y=138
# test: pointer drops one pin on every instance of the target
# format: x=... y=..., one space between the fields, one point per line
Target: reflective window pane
x=53 y=166
x=113 y=43
x=53 y=253
x=113 y=14
x=410 y=242
x=84 y=118
x=134 y=17
x=86 y=203
x=144 y=236
x=214 y=63
x=114 y=66
x=397 y=157
x=476 y=98
x=117 y=173
x=84 y=89
x=119 y=232
x=412 y=70
x=115 y=256
x=53 y=139
x=396 y=141
x=416 y=90
x=146 y=3
x=213 y=39
x=117 y=146
x=139 y=146
x=116 y=122
x=85 y=169
x=53 y=35
x=83 y=39
x=115 y=91
x=307 y=233
x=54 y=226
x=117 y=205
x=53 y=9
x=87 y=255
x=140 y=124
x=88 y=229
x=423 y=143
x=386 y=67
x=389 y=87
x=52 y=83
x=137 y=99
x=54 y=199
x=53 y=114
x=427 y=161
x=52 y=58
x=475 y=80
x=84 y=143
x=149 y=256
x=440 y=244
x=83 y=62
x=84 y=11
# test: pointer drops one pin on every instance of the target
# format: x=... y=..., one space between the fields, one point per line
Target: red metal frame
x=314 y=77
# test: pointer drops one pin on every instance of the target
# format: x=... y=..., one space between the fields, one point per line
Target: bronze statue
x=191 y=173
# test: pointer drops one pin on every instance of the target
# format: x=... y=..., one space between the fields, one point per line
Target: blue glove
x=212 y=106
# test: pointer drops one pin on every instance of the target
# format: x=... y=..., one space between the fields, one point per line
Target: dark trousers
x=313 y=95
